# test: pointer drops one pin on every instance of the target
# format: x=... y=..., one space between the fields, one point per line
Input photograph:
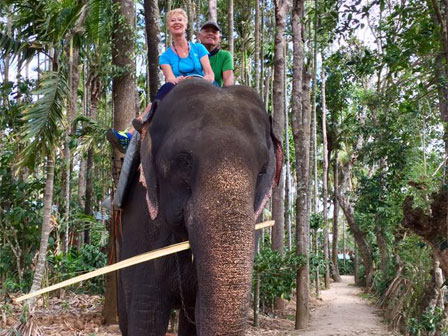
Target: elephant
x=209 y=161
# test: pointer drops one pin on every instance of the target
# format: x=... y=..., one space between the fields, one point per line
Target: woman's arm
x=169 y=75
x=208 y=72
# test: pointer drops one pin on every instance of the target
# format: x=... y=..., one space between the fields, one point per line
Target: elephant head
x=209 y=162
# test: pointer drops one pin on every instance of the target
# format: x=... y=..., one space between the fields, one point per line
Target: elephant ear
x=148 y=174
x=271 y=177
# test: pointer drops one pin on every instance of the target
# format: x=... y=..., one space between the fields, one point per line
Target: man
x=220 y=60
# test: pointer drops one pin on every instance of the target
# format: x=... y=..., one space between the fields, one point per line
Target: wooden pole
x=164 y=251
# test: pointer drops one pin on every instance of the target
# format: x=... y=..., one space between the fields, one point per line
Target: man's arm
x=227 y=78
x=227 y=70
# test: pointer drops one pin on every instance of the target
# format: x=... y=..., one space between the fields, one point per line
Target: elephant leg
x=187 y=327
x=122 y=308
x=148 y=316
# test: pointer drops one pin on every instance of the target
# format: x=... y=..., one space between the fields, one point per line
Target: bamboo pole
x=164 y=251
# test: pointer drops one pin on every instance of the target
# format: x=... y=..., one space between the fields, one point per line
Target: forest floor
x=340 y=311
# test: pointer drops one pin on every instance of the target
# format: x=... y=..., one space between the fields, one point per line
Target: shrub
x=277 y=273
x=88 y=258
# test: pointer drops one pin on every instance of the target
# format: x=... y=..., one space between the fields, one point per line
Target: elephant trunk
x=221 y=232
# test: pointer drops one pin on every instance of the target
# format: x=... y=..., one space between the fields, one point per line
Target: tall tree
x=301 y=133
x=257 y=47
x=278 y=212
x=315 y=197
x=152 y=24
x=230 y=23
x=212 y=11
x=325 y=177
x=73 y=77
x=124 y=91
x=334 y=254
x=124 y=86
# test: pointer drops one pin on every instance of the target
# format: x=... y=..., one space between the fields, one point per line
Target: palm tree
x=44 y=119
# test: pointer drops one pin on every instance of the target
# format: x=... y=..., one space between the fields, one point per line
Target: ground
x=339 y=311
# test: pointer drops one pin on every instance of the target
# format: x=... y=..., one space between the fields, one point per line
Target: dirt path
x=340 y=313
x=344 y=313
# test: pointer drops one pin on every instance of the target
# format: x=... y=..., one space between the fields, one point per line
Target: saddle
x=131 y=159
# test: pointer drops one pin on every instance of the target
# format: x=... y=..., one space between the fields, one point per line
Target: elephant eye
x=183 y=161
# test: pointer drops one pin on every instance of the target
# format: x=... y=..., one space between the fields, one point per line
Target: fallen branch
x=164 y=251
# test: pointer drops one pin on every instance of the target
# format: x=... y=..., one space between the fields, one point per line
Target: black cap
x=211 y=24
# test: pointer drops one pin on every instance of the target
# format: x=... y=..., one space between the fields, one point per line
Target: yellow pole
x=164 y=251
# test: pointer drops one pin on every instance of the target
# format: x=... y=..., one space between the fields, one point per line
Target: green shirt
x=220 y=62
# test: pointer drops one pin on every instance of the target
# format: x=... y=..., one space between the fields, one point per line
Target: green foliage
x=316 y=221
x=76 y=262
x=347 y=267
x=277 y=273
x=43 y=119
x=427 y=324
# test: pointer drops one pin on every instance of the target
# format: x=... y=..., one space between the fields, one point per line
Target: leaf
x=44 y=119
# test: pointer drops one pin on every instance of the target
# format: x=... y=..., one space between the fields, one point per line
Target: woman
x=182 y=60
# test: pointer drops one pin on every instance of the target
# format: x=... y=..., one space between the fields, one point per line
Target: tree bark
x=230 y=22
x=257 y=47
x=315 y=198
x=152 y=24
x=301 y=133
x=124 y=91
x=382 y=245
x=124 y=87
x=46 y=230
x=325 y=179
x=72 y=51
x=212 y=11
x=191 y=16
x=336 y=276
x=7 y=57
x=278 y=212
x=360 y=238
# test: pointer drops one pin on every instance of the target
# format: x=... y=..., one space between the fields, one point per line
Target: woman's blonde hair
x=176 y=11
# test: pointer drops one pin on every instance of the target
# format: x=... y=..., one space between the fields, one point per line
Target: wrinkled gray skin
x=207 y=168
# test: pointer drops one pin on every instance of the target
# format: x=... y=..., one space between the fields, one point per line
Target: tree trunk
x=124 y=91
x=230 y=22
x=257 y=47
x=360 y=238
x=72 y=50
x=152 y=24
x=278 y=212
x=288 y=207
x=212 y=11
x=267 y=87
x=315 y=198
x=325 y=179
x=347 y=208
x=124 y=87
x=382 y=246
x=190 y=15
x=46 y=230
x=167 y=35
x=7 y=57
x=356 y=266
x=262 y=68
x=301 y=133
x=336 y=276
